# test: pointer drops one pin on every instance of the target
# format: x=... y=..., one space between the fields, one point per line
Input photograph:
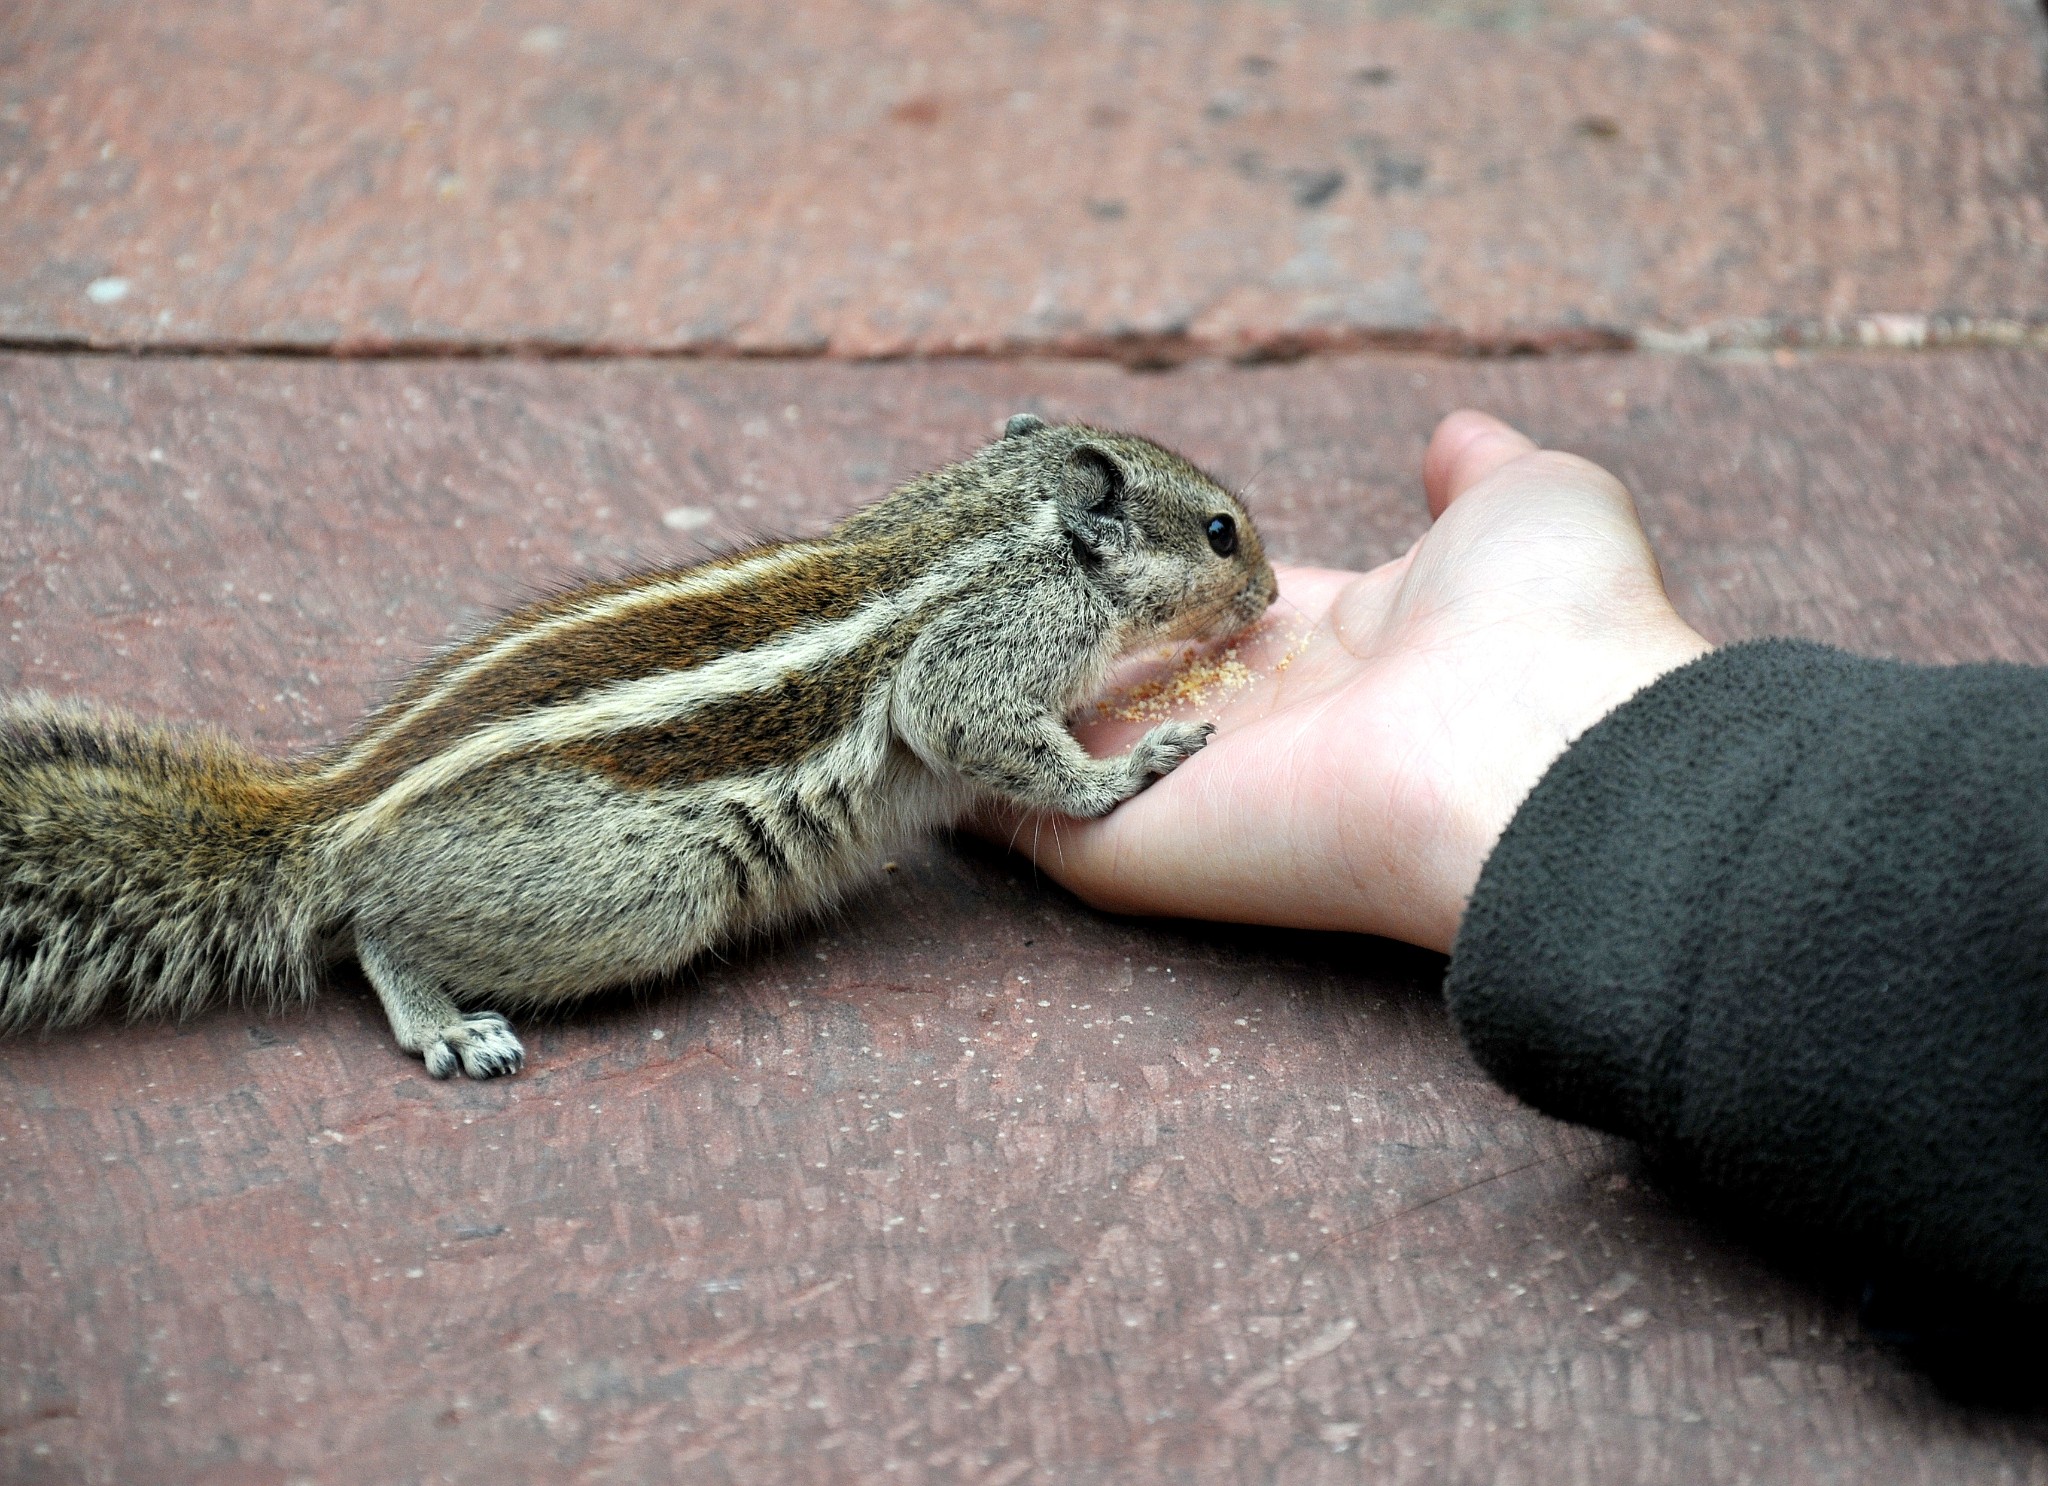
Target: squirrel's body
x=601 y=785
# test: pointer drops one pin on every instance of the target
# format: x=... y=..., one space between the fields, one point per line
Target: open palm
x=1399 y=716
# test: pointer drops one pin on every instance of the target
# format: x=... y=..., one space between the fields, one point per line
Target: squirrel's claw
x=482 y=1045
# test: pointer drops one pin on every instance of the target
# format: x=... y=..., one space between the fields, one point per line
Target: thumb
x=1467 y=447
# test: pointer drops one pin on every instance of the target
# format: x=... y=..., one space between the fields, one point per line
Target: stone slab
x=862 y=178
x=971 y=1184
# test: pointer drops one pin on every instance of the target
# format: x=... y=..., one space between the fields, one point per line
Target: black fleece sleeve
x=1783 y=918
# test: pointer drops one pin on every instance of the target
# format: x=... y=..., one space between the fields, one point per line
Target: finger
x=1467 y=447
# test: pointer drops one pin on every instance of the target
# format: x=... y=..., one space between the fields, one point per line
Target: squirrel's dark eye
x=1222 y=535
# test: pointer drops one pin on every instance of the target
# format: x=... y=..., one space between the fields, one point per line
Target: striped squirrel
x=605 y=783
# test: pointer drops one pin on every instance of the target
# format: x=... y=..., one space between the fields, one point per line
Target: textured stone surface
x=971 y=1184
x=872 y=178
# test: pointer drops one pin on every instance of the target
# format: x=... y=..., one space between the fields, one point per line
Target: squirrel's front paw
x=1168 y=746
x=482 y=1045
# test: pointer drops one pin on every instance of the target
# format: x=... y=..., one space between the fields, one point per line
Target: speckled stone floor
x=971 y=1184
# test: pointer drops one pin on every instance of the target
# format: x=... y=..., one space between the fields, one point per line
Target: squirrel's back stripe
x=663 y=699
x=486 y=672
x=553 y=650
x=779 y=724
x=671 y=623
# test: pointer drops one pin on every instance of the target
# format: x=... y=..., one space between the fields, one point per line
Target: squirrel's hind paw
x=482 y=1045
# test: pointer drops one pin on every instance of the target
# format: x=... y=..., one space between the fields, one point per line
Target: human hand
x=1362 y=785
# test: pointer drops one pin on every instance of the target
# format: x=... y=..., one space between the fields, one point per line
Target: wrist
x=1532 y=728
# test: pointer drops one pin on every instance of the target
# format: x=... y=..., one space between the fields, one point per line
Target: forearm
x=1784 y=917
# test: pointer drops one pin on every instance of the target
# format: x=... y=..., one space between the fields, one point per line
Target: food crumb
x=1194 y=677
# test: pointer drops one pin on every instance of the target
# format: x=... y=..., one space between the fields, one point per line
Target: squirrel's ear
x=1092 y=500
x=1021 y=424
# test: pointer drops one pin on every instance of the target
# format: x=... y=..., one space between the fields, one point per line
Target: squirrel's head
x=1174 y=549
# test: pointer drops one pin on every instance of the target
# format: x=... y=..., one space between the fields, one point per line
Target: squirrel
x=603 y=784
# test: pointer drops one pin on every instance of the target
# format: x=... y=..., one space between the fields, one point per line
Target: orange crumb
x=1194 y=678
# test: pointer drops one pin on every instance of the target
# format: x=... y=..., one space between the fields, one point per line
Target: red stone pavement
x=970 y=1184
x=1145 y=179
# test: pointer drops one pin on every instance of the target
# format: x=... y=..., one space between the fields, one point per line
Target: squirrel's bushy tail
x=146 y=871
